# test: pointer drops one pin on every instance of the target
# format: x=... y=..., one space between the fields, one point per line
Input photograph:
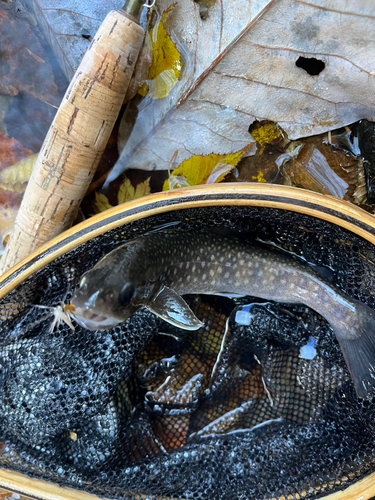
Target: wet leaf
x=125 y=193
x=324 y=169
x=15 y=178
x=23 y=66
x=11 y=151
x=166 y=62
x=69 y=27
x=141 y=70
x=5 y=102
x=267 y=133
x=197 y=169
x=28 y=120
x=247 y=60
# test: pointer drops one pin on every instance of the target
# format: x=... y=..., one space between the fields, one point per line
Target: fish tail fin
x=359 y=351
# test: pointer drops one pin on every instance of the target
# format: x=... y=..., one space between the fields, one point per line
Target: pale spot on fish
x=238 y=274
x=260 y=274
x=222 y=258
x=175 y=271
x=212 y=257
x=188 y=278
x=242 y=262
x=282 y=281
x=226 y=275
x=256 y=265
x=246 y=281
x=193 y=269
x=219 y=269
x=204 y=276
x=212 y=273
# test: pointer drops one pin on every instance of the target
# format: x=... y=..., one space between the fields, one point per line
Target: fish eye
x=126 y=293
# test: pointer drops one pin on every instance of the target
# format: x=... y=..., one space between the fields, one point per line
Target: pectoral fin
x=171 y=307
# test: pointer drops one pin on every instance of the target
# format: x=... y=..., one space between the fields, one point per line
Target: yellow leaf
x=266 y=132
x=15 y=178
x=101 y=203
x=166 y=62
x=127 y=192
x=219 y=172
x=143 y=189
x=198 y=169
x=259 y=177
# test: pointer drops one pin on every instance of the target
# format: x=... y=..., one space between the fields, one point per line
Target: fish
x=155 y=270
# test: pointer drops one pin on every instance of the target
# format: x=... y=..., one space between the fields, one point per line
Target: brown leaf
x=259 y=65
x=24 y=70
x=11 y=151
x=37 y=58
x=327 y=170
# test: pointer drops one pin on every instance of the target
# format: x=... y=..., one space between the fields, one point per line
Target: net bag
x=235 y=410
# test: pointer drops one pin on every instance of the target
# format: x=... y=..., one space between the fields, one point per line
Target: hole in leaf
x=311 y=65
x=85 y=34
x=204 y=6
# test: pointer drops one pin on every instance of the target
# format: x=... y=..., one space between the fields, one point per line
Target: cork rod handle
x=77 y=137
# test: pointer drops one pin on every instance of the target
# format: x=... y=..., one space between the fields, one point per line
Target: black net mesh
x=144 y=410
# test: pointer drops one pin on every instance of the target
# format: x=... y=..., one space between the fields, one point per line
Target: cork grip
x=77 y=137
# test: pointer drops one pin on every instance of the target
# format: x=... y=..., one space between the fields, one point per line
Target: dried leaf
x=101 y=203
x=175 y=182
x=241 y=65
x=324 y=169
x=166 y=62
x=127 y=192
x=198 y=169
x=15 y=178
x=218 y=173
x=7 y=218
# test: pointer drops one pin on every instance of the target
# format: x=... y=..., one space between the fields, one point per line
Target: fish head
x=105 y=293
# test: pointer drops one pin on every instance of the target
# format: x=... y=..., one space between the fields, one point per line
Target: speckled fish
x=156 y=269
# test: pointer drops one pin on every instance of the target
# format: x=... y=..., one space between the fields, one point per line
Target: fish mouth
x=93 y=321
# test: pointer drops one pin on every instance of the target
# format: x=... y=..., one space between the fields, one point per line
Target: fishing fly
x=61 y=313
